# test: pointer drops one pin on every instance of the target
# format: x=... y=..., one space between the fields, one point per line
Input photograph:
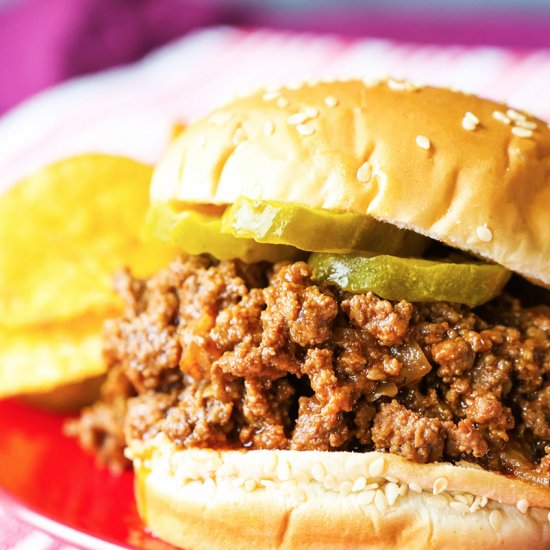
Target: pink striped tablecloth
x=131 y=110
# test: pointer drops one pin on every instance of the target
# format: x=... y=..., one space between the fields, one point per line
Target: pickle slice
x=317 y=230
x=412 y=279
x=198 y=232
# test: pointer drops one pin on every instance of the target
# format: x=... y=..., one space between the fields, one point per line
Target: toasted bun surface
x=306 y=499
x=409 y=155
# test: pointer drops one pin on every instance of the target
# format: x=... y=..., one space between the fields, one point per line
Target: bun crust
x=408 y=155
x=205 y=499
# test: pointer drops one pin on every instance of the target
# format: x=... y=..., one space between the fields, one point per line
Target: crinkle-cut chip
x=65 y=230
x=40 y=359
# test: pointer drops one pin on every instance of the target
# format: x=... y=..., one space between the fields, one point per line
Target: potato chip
x=177 y=129
x=41 y=359
x=65 y=230
x=71 y=397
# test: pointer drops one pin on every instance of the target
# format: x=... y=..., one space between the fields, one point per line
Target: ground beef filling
x=229 y=355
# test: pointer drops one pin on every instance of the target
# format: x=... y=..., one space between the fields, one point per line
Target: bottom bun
x=205 y=499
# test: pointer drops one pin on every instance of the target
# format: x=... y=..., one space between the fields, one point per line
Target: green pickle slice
x=317 y=230
x=411 y=279
x=197 y=232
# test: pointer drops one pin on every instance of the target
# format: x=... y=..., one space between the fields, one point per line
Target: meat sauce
x=258 y=356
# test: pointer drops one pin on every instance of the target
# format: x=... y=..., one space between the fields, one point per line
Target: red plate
x=50 y=483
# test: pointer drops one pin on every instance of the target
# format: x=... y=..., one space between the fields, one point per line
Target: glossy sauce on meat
x=231 y=355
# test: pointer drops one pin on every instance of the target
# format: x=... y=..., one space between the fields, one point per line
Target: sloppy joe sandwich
x=353 y=350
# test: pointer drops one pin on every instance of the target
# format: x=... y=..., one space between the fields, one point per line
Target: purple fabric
x=467 y=26
x=43 y=42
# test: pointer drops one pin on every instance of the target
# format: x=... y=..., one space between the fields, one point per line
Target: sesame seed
x=467 y=124
x=302 y=475
x=371 y=82
x=269 y=128
x=392 y=492
x=469 y=115
x=392 y=479
x=440 y=484
x=226 y=470
x=470 y=122
x=459 y=507
x=353 y=467
x=282 y=102
x=221 y=118
x=298 y=494
x=484 y=233
x=401 y=85
x=415 y=488
x=238 y=481
x=501 y=117
x=527 y=124
x=213 y=463
x=269 y=96
x=423 y=142
x=311 y=112
x=396 y=85
x=371 y=486
x=295 y=85
x=483 y=501
x=522 y=132
x=364 y=174
x=209 y=486
x=365 y=498
x=345 y=487
x=359 y=484
x=380 y=501
x=250 y=485
x=296 y=118
x=437 y=501
x=549 y=516
x=318 y=472
x=467 y=498
x=474 y=507
x=495 y=519
x=305 y=129
x=239 y=136
x=377 y=467
x=522 y=506
x=515 y=115
x=403 y=489
x=331 y=101
x=283 y=470
x=270 y=464
x=329 y=482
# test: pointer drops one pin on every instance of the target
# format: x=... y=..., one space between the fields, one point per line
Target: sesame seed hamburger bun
x=466 y=171
x=204 y=499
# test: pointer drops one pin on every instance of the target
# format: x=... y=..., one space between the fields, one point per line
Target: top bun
x=466 y=171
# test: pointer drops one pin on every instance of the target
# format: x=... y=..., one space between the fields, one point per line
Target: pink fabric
x=16 y=533
x=43 y=42
x=444 y=23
